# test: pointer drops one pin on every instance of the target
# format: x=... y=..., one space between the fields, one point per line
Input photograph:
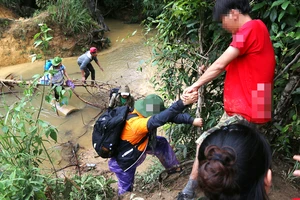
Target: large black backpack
x=107 y=131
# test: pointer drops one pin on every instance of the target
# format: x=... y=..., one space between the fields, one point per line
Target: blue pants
x=163 y=152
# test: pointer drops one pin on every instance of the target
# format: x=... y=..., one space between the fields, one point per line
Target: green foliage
x=89 y=187
x=176 y=45
x=10 y=3
x=42 y=40
x=149 y=176
x=290 y=175
x=22 y=138
x=21 y=183
x=72 y=16
x=44 y=3
x=283 y=20
x=187 y=37
x=152 y=8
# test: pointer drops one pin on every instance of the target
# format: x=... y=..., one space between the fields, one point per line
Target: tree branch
x=292 y=62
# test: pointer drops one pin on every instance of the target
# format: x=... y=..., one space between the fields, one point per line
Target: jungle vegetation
x=186 y=37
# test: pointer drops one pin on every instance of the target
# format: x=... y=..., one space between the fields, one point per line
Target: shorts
x=224 y=121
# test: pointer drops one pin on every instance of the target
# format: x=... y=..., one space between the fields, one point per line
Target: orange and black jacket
x=135 y=135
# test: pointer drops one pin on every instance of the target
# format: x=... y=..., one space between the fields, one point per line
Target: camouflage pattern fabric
x=224 y=121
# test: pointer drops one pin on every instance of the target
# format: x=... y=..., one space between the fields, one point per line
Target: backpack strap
x=141 y=141
x=131 y=115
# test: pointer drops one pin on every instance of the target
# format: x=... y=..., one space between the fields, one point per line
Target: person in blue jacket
x=138 y=138
x=86 y=68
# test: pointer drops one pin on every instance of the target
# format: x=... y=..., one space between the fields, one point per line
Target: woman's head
x=234 y=164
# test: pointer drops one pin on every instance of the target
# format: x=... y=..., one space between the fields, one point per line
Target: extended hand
x=189 y=90
x=189 y=98
x=101 y=68
x=198 y=122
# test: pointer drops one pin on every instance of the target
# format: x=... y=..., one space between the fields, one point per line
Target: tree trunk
x=286 y=97
x=96 y=13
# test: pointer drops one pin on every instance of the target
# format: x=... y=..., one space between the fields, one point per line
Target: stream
x=120 y=63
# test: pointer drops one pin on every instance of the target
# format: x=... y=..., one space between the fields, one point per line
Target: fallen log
x=98 y=92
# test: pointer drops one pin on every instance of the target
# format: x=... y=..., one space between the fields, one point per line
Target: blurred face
x=57 y=66
x=152 y=106
x=124 y=96
x=230 y=21
x=94 y=53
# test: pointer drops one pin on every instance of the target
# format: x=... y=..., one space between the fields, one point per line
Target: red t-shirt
x=249 y=78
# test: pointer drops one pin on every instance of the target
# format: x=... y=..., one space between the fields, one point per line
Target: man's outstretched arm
x=215 y=69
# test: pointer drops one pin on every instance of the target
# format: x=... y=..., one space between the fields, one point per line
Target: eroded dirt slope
x=16 y=38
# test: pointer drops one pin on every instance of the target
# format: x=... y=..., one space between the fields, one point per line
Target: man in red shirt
x=249 y=62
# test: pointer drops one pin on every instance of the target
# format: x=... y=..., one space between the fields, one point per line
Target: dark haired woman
x=235 y=164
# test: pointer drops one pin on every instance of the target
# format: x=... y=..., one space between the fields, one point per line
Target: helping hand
x=189 y=90
x=198 y=122
x=189 y=98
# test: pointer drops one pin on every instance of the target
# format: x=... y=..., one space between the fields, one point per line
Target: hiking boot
x=183 y=196
x=174 y=170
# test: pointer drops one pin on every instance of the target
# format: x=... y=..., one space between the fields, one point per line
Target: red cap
x=93 y=50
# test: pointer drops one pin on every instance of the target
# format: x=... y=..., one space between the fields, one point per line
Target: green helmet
x=151 y=105
x=56 y=61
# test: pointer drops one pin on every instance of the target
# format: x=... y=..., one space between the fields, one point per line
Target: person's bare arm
x=66 y=74
x=215 y=69
x=97 y=62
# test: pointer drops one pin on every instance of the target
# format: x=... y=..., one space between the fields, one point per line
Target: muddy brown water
x=120 y=63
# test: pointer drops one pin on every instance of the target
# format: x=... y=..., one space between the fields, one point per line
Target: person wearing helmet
x=57 y=76
x=139 y=138
x=86 y=68
x=122 y=98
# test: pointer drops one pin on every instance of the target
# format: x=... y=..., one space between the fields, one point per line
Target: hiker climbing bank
x=121 y=98
x=138 y=138
x=86 y=68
